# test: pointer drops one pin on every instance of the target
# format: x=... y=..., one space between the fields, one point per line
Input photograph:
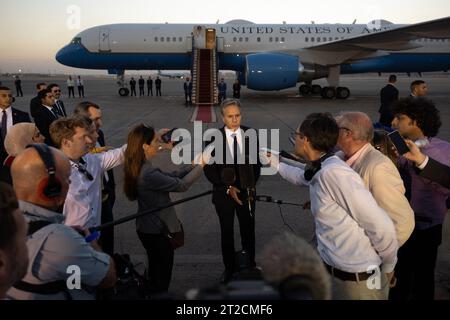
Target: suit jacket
x=61 y=104
x=214 y=171
x=35 y=106
x=110 y=186
x=436 y=172
x=17 y=117
x=383 y=180
x=43 y=119
x=388 y=95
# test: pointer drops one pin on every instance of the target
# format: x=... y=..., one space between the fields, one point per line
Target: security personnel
x=222 y=86
x=58 y=253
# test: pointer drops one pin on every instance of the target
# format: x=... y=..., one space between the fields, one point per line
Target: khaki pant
x=360 y=290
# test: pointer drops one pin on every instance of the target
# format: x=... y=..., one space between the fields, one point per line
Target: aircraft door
x=210 y=38
x=104 y=44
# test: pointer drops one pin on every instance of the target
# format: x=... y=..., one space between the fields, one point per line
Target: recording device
x=167 y=137
x=247 y=177
x=281 y=153
x=398 y=142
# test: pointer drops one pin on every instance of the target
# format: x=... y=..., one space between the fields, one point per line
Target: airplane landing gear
x=123 y=92
x=342 y=93
x=338 y=93
x=307 y=88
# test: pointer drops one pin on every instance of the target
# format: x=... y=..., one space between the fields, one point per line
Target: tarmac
x=199 y=263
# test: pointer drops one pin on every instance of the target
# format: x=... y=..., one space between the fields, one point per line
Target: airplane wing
x=370 y=45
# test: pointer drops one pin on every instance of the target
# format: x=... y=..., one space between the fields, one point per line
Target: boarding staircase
x=204 y=74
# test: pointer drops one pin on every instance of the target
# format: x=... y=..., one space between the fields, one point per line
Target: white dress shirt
x=83 y=204
x=230 y=140
x=353 y=233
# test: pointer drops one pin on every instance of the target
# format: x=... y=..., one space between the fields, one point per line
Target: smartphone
x=167 y=137
x=398 y=142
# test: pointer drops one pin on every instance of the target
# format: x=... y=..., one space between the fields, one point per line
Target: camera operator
x=41 y=181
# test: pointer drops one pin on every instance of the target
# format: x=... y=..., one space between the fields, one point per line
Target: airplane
x=267 y=56
x=181 y=74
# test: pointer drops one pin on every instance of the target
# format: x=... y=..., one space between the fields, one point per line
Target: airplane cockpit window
x=76 y=40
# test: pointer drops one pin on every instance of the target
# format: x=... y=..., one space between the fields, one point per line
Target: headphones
x=312 y=168
x=51 y=187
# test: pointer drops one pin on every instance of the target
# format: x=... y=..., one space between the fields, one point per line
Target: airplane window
x=258 y=39
x=241 y=39
x=324 y=39
x=282 y=39
x=76 y=40
x=168 y=39
x=180 y=39
x=234 y=39
x=312 y=39
x=330 y=39
x=174 y=39
x=156 y=39
x=306 y=39
x=246 y=39
x=276 y=39
x=336 y=38
x=270 y=39
x=162 y=39
x=318 y=39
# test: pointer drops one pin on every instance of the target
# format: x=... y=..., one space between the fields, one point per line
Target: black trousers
x=226 y=212
x=416 y=263
x=133 y=91
x=160 y=260
x=19 y=91
x=71 y=91
x=107 y=235
x=149 y=91
x=158 y=91
x=81 y=91
x=141 y=91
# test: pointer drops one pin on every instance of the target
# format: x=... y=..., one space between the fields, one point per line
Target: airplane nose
x=63 y=54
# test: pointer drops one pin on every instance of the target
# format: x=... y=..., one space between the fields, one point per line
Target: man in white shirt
x=355 y=238
x=378 y=172
x=84 y=199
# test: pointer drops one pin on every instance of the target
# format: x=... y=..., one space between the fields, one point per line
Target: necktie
x=235 y=148
x=4 y=124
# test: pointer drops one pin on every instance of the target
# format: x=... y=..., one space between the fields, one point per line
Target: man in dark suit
x=149 y=86
x=46 y=115
x=133 y=86
x=188 y=92
x=35 y=103
x=59 y=105
x=9 y=116
x=158 y=86
x=418 y=88
x=93 y=111
x=228 y=196
x=388 y=95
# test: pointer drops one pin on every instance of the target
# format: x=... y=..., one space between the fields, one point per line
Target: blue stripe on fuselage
x=78 y=56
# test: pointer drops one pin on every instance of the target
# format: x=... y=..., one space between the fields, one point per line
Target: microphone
x=248 y=182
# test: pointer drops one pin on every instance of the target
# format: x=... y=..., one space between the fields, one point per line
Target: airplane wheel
x=123 y=92
x=316 y=89
x=304 y=89
x=328 y=93
x=342 y=93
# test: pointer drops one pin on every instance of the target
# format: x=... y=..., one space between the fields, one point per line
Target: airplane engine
x=272 y=71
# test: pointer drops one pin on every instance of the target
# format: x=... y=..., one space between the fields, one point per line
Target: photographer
x=151 y=187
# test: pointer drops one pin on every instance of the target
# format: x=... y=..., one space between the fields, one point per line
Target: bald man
x=378 y=172
x=59 y=256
